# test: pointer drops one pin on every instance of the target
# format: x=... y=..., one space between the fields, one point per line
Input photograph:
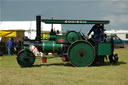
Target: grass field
x=55 y=72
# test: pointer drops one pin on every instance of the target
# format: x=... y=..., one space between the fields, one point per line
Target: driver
x=98 y=32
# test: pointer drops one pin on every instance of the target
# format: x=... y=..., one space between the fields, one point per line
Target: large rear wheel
x=81 y=53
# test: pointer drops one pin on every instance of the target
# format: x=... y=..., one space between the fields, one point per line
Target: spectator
x=18 y=46
x=10 y=45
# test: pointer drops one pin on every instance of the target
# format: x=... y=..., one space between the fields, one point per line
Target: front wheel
x=25 y=58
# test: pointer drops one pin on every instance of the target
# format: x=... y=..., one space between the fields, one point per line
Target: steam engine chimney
x=38 y=28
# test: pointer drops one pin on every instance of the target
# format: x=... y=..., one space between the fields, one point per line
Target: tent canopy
x=27 y=26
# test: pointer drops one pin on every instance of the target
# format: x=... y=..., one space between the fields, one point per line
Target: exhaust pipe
x=38 y=28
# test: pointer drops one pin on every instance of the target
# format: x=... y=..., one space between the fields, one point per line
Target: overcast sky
x=26 y=10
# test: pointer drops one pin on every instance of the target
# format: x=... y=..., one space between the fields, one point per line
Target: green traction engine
x=72 y=46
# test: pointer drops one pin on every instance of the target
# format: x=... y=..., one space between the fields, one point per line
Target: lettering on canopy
x=76 y=21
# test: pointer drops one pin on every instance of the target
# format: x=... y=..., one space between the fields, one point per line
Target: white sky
x=25 y=10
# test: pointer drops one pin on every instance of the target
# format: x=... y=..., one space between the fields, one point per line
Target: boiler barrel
x=51 y=46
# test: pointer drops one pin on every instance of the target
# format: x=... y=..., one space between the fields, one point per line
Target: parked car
x=119 y=43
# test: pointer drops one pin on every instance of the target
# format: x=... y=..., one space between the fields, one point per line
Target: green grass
x=55 y=72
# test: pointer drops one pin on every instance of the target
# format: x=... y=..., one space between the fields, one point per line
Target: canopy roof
x=67 y=21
